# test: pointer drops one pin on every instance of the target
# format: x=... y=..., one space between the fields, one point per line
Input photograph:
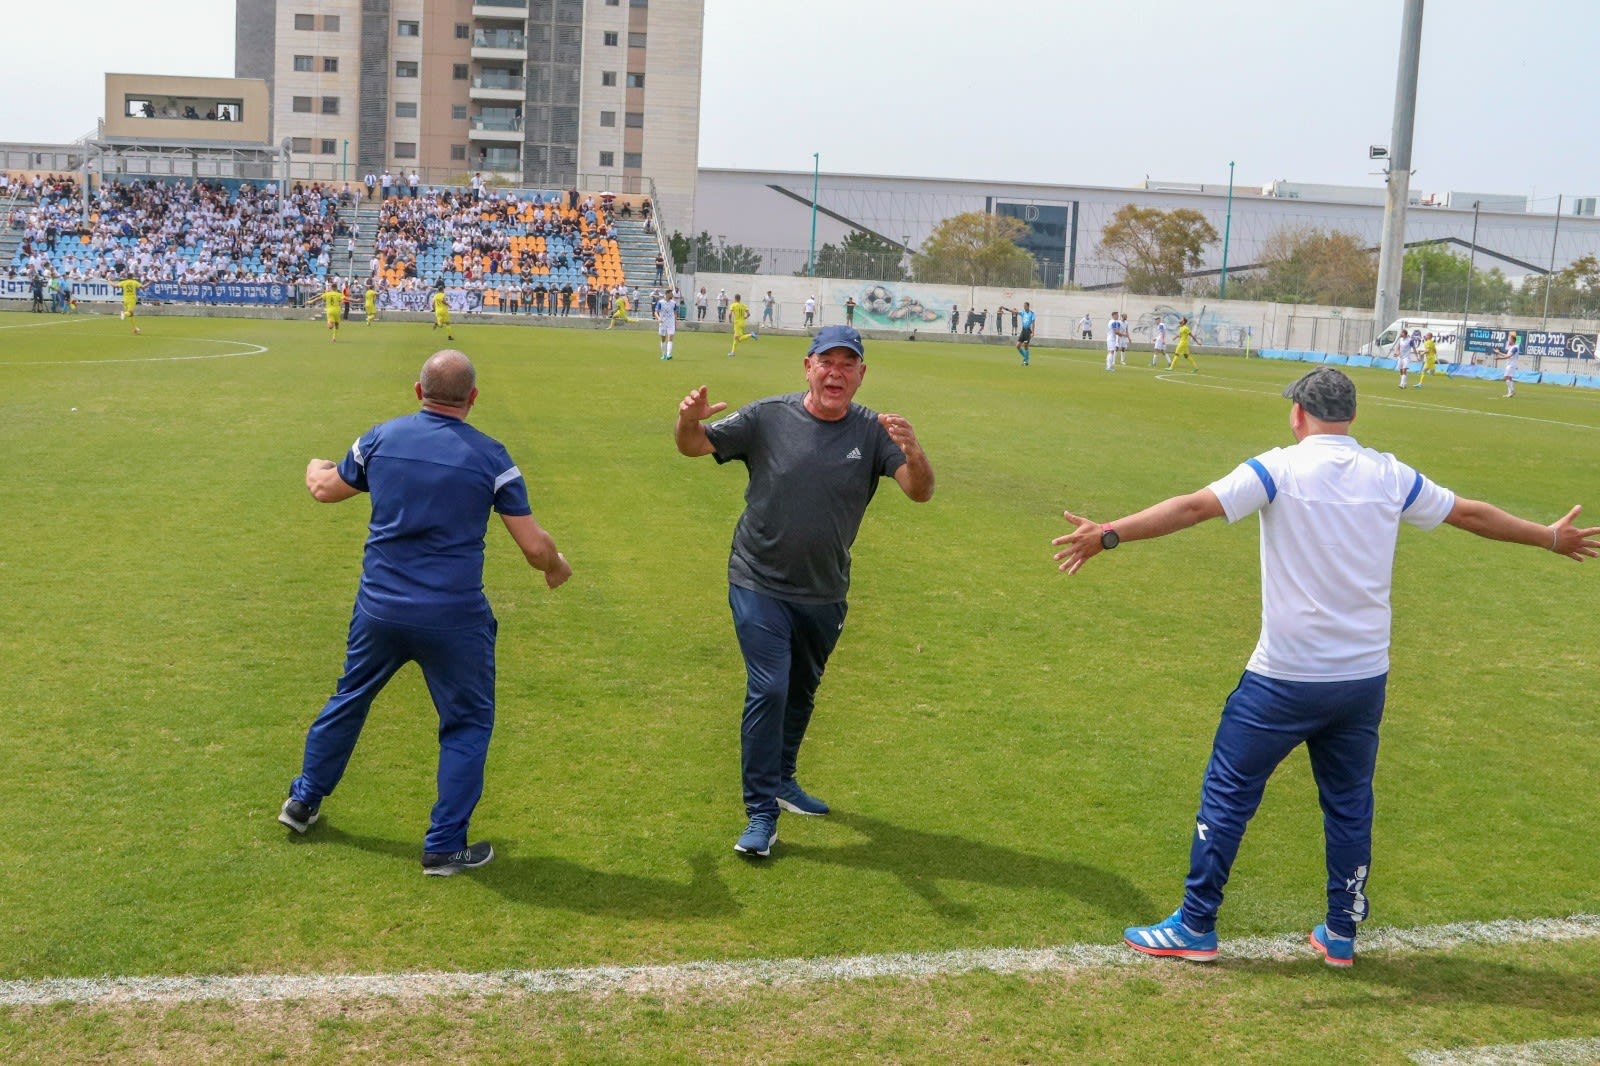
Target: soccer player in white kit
x=1113 y=341
x=1511 y=353
x=667 y=322
x=1122 y=340
x=1160 y=350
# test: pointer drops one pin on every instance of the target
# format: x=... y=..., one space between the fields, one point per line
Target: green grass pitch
x=1013 y=755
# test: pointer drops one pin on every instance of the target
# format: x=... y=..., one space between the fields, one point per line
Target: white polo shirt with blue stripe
x=1330 y=515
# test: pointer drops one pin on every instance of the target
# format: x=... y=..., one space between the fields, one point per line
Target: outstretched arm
x=538 y=548
x=1168 y=516
x=1490 y=522
x=689 y=434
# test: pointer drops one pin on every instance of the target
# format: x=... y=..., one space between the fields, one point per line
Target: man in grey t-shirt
x=814 y=460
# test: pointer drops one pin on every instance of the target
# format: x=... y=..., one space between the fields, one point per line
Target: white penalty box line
x=739 y=975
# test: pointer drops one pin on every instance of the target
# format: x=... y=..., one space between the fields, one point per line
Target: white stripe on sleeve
x=509 y=476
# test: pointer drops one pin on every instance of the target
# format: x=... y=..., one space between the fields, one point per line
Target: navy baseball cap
x=830 y=337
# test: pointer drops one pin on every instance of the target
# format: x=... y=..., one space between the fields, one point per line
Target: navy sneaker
x=1336 y=950
x=298 y=816
x=1170 y=938
x=445 y=863
x=793 y=798
x=758 y=836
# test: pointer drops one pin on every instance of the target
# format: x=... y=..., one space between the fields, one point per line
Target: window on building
x=330 y=23
x=608 y=77
x=608 y=159
x=330 y=146
x=460 y=71
x=635 y=80
x=463 y=31
x=305 y=22
x=301 y=105
x=638 y=3
x=634 y=120
x=330 y=64
x=406 y=28
x=636 y=40
x=613 y=3
x=405 y=109
x=608 y=118
x=458 y=152
x=632 y=160
x=405 y=68
x=405 y=149
x=611 y=37
x=458 y=112
x=330 y=105
x=301 y=145
x=302 y=64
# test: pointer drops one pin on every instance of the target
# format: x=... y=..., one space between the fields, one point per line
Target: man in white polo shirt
x=1330 y=514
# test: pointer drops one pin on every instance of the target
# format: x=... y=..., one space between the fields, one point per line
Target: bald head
x=448 y=379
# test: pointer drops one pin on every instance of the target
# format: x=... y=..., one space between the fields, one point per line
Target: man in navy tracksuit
x=1330 y=514
x=434 y=481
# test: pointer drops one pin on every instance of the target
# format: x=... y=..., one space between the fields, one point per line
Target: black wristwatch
x=1109 y=538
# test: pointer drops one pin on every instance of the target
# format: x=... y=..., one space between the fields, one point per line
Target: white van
x=1446 y=334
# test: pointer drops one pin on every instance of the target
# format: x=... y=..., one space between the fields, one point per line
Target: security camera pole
x=1391 y=254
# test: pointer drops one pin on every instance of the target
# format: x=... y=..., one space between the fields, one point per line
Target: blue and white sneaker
x=759 y=836
x=791 y=797
x=1336 y=950
x=1171 y=938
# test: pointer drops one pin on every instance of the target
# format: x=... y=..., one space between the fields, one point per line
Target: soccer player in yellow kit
x=1181 y=351
x=370 y=303
x=740 y=314
x=441 y=313
x=333 y=307
x=620 y=314
x=130 y=297
x=1430 y=358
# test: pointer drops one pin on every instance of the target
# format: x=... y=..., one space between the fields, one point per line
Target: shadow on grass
x=1444 y=981
x=922 y=860
x=558 y=884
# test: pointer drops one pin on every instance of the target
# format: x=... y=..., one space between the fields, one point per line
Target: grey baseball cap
x=1326 y=393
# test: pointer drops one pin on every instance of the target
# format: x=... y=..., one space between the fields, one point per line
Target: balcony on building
x=499 y=161
x=498 y=83
x=499 y=44
x=500 y=10
x=497 y=125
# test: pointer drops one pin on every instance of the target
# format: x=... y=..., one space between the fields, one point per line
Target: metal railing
x=500 y=39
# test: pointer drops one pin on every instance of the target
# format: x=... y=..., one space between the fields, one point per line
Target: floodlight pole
x=1472 y=258
x=816 y=175
x=1227 y=227
x=1551 y=273
x=1392 y=251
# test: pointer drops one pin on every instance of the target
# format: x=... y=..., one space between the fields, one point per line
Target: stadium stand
x=184 y=232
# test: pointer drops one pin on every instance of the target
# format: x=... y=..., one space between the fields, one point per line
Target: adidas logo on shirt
x=855 y=453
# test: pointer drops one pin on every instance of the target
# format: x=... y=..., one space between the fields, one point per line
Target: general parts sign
x=1541 y=344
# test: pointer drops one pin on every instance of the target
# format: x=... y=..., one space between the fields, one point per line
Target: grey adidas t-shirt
x=810 y=483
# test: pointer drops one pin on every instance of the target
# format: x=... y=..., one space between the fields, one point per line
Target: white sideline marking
x=256 y=349
x=68 y=321
x=637 y=980
x=1548 y=1052
x=1368 y=398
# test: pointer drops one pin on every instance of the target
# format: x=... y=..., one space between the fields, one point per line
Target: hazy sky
x=1028 y=90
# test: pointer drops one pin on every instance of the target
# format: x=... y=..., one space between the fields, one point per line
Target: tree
x=1434 y=278
x=680 y=246
x=1313 y=266
x=1154 y=248
x=1574 y=291
x=861 y=255
x=975 y=249
x=701 y=254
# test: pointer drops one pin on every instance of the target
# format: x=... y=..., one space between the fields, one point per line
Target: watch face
x=1109 y=539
